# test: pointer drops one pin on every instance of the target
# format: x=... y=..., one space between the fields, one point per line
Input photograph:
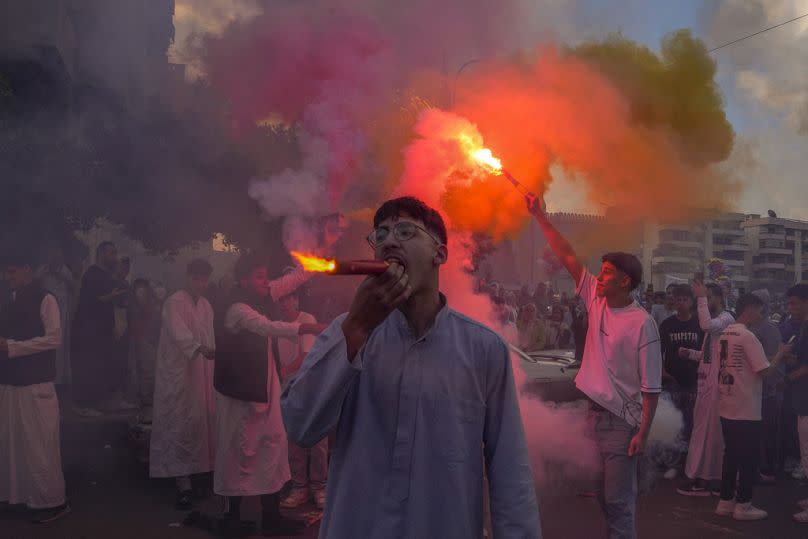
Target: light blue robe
x=416 y=420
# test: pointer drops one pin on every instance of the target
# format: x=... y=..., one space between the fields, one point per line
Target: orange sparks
x=313 y=263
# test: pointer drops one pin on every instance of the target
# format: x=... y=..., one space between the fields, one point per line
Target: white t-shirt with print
x=290 y=347
x=622 y=358
x=740 y=385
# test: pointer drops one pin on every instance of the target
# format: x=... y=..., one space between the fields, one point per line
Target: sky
x=763 y=80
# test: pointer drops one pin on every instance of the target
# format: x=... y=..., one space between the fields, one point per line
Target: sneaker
x=803 y=504
x=234 y=528
x=296 y=498
x=767 y=479
x=319 y=498
x=43 y=516
x=694 y=488
x=725 y=508
x=88 y=412
x=801 y=517
x=714 y=491
x=184 y=500
x=747 y=511
x=282 y=527
x=671 y=473
x=798 y=473
x=126 y=405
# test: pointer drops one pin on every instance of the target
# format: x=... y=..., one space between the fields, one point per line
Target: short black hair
x=416 y=209
x=628 y=264
x=18 y=256
x=199 y=267
x=140 y=282
x=798 y=291
x=715 y=289
x=682 y=290
x=747 y=300
x=103 y=246
x=247 y=263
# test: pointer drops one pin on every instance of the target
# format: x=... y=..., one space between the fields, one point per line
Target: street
x=113 y=498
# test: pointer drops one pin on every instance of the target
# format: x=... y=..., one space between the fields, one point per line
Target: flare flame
x=313 y=263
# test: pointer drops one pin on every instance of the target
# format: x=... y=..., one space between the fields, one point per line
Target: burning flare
x=485 y=158
x=342 y=267
x=313 y=263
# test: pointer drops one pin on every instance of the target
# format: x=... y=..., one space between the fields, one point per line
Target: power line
x=757 y=33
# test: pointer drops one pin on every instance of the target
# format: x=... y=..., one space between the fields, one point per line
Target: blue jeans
x=617 y=486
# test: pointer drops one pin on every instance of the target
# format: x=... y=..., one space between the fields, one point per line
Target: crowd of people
x=240 y=390
x=542 y=320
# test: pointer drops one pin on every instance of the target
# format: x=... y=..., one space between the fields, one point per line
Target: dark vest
x=20 y=320
x=241 y=368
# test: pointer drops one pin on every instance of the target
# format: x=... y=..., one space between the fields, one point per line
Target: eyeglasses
x=402 y=231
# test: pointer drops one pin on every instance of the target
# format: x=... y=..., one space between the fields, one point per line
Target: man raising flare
x=422 y=400
x=621 y=372
x=706 y=447
x=30 y=333
x=183 y=441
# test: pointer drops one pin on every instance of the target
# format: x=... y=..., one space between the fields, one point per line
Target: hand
x=684 y=353
x=784 y=349
x=311 y=329
x=206 y=352
x=637 y=445
x=375 y=299
x=535 y=204
x=699 y=289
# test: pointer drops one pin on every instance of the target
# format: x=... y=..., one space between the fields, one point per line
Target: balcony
x=743 y=247
x=735 y=263
x=775 y=251
x=690 y=229
x=737 y=231
x=769 y=265
x=685 y=244
x=661 y=259
x=771 y=236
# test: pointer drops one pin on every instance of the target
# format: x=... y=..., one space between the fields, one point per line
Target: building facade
x=778 y=255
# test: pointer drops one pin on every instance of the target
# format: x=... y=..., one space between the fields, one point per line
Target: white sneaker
x=88 y=412
x=126 y=405
x=296 y=498
x=671 y=473
x=725 y=508
x=747 y=511
x=801 y=517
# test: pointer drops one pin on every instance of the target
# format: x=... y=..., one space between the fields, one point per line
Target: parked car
x=550 y=374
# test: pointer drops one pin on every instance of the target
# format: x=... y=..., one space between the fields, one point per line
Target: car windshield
x=555 y=357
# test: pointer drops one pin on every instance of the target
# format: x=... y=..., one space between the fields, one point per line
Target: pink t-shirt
x=622 y=358
x=740 y=384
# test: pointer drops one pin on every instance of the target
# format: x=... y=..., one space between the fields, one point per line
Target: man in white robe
x=183 y=440
x=705 y=454
x=58 y=279
x=30 y=459
x=252 y=452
